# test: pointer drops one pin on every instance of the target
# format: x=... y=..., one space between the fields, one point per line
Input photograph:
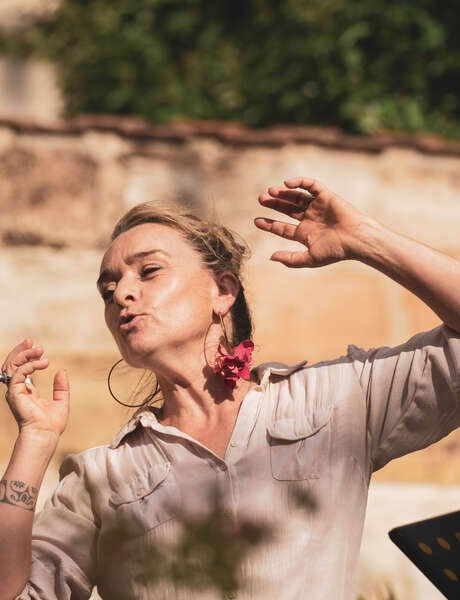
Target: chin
x=138 y=356
x=136 y=362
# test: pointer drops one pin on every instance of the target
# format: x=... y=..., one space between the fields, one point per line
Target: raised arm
x=332 y=230
x=40 y=423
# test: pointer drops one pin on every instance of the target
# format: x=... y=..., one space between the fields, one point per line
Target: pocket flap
x=141 y=485
x=288 y=429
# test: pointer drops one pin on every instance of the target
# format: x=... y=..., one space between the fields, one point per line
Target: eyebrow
x=107 y=274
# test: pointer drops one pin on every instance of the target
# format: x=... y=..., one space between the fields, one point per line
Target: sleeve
x=412 y=392
x=63 y=540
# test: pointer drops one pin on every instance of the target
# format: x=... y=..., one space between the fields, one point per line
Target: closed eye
x=149 y=270
x=107 y=295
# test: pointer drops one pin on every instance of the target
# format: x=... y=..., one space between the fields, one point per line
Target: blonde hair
x=220 y=249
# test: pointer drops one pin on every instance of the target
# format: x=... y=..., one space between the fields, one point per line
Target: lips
x=128 y=320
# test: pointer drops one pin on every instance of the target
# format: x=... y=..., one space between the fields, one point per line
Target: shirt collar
x=145 y=416
x=263 y=371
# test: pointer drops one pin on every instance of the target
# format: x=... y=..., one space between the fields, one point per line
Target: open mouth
x=127 y=320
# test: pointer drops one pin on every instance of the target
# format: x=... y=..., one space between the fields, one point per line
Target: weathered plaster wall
x=63 y=187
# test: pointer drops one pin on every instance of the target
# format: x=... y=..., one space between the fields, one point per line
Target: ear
x=227 y=288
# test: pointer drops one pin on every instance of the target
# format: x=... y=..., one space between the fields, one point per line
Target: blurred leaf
x=207 y=553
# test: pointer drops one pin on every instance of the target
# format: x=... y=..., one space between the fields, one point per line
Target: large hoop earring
x=227 y=343
x=229 y=347
x=150 y=397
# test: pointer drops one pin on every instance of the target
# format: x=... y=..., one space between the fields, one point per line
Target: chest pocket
x=145 y=501
x=298 y=453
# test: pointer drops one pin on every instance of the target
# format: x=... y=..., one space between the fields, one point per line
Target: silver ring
x=309 y=200
x=5 y=378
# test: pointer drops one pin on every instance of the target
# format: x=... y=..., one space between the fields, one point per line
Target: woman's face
x=158 y=294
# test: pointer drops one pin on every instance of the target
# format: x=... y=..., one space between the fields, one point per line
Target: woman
x=172 y=293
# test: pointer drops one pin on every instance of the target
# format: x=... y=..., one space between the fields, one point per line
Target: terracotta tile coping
x=229 y=132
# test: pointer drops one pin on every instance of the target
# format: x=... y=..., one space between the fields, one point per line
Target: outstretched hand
x=32 y=411
x=328 y=226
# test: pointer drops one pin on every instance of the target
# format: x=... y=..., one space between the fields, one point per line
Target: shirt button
x=230 y=596
x=223 y=467
x=140 y=491
x=234 y=443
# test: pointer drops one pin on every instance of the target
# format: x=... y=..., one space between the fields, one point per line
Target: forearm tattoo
x=18 y=493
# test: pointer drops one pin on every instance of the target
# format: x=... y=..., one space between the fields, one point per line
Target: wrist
x=37 y=438
x=31 y=456
x=364 y=244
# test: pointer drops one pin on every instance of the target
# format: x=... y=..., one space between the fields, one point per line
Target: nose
x=126 y=291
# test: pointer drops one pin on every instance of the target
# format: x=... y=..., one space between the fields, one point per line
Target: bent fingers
x=284 y=230
x=26 y=370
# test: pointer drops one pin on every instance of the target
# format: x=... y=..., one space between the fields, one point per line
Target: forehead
x=147 y=237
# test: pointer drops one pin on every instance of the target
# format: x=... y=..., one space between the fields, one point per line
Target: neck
x=202 y=399
x=192 y=392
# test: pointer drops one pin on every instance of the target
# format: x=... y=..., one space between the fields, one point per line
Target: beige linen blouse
x=322 y=429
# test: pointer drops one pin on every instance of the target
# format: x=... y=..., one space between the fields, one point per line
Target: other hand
x=327 y=225
x=33 y=413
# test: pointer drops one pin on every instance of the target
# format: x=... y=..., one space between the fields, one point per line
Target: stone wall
x=63 y=186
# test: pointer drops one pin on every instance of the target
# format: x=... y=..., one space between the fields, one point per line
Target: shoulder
x=99 y=460
x=303 y=397
x=302 y=380
x=128 y=444
x=438 y=337
x=114 y=470
x=82 y=462
x=275 y=372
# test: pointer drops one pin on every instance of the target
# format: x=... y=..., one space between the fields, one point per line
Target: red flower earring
x=233 y=366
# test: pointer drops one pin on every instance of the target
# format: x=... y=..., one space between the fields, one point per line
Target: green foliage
x=208 y=553
x=364 y=66
x=209 y=549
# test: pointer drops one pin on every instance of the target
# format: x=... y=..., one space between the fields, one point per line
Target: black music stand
x=433 y=545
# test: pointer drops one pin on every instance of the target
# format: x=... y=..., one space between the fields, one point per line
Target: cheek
x=110 y=319
x=189 y=302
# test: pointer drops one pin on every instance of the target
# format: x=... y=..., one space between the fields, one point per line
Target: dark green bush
x=363 y=65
